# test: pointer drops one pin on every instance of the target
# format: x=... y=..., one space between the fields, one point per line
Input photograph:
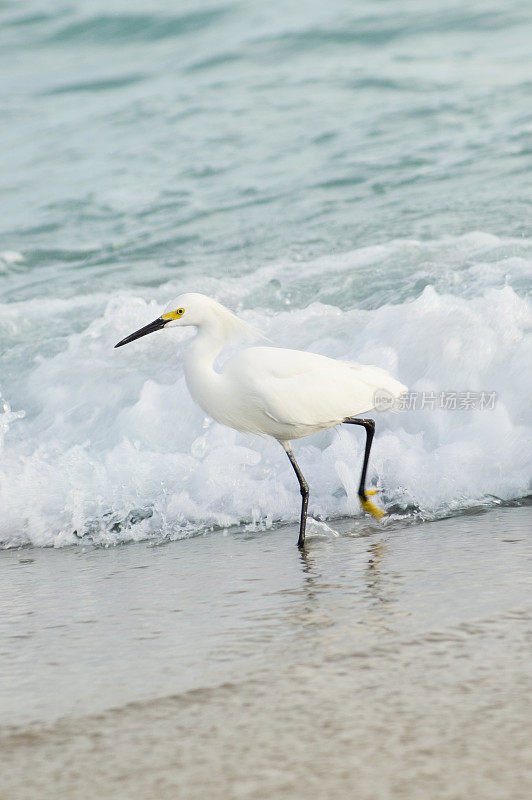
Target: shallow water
x=376 y=664
x=85 y=630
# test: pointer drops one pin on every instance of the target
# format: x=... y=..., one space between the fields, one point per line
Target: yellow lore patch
x=173 y=314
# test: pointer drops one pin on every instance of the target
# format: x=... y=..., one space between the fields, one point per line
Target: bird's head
x=196 y=309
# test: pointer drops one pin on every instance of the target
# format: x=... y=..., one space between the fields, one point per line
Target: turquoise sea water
x=352 y=177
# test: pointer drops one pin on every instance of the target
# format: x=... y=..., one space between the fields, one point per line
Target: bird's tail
x=386 y=392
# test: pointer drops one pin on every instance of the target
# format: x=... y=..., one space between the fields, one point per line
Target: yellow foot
x=372 y=509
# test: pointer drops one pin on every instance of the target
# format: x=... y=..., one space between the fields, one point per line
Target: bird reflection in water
x=318 y=586
x=374 y=578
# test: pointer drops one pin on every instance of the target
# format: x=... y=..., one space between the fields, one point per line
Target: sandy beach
x=383 y=664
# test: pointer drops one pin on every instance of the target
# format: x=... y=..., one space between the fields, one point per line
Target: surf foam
x=106 y=445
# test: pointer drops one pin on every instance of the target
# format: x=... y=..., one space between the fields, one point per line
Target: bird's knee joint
x=304 y=490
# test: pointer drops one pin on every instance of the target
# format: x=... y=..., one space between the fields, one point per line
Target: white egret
x=283 y=393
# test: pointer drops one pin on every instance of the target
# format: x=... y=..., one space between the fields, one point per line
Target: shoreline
x=389 y=665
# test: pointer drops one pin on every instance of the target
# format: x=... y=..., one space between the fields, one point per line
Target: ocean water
x=352 y=178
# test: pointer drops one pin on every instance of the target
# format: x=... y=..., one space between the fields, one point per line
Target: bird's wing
x=296 y=387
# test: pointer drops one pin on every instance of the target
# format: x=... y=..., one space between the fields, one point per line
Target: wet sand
x=383 y=664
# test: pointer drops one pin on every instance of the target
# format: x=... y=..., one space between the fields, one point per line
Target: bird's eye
x=180 y=311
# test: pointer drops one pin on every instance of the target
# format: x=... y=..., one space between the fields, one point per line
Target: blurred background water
x=353 y=177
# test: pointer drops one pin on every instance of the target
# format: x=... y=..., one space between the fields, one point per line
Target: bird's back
x=291 y=393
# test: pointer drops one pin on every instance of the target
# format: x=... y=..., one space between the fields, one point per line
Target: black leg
x=303 y=487
x=366 y=504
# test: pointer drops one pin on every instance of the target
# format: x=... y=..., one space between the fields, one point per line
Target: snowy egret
x=282 y=393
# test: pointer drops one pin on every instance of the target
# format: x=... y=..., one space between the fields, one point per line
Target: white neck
x=203 y=382
x=208 y=387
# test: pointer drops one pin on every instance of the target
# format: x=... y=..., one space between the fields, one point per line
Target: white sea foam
x=106 y=445
x=10 y=259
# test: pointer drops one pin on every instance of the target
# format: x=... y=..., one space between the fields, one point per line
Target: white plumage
x=288 y=394
x=282 y=393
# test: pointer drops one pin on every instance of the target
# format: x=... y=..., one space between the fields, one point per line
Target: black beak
x=156 y=325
